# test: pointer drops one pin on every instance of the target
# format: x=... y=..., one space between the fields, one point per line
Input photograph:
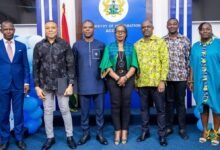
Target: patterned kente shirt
x=52 y=61
x=153 y=61
x=179 y=50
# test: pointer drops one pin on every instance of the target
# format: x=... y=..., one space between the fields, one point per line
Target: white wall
x=160 y=28
x=24 y=30
x=160 y=16
x=195 y=33
x=27 y=30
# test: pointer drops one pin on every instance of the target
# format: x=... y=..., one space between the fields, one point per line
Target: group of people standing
x=158 y=68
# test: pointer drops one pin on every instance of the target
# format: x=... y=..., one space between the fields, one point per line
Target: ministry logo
x=113 y=10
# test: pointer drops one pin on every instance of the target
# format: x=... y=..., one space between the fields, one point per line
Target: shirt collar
x=12 y=41
x=56 y=40
x=206 y=43
x=153 y=37
x=167 y=37
x=87 y=41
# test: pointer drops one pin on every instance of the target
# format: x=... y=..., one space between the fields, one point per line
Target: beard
x=173 y=32
x=87 y=36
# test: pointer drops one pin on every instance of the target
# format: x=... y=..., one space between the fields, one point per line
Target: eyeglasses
x=120 y=32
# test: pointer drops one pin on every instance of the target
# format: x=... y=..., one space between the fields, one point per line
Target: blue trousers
x=99 y=111
x=15 y=97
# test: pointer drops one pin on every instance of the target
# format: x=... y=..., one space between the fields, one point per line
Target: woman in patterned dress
x=204 y=80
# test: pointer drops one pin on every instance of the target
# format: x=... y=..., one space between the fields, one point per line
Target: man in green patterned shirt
x=152 y=54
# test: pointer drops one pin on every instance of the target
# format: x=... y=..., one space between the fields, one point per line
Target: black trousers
x=175 y=98
x=120 y=103
x=159 y=101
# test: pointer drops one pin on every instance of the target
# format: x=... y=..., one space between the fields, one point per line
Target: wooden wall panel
x=78 y=4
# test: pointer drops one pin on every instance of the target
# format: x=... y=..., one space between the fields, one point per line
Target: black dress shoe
x=143 y=136
x=183 y=135
x=163 y=141
x=70 y=142
x=4 y=146
x=169 y=131
x=101 y=140
x=47 y=145
x=21 y=145
x=84 y=139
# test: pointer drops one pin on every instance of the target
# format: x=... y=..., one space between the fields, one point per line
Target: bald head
x=7 y=29
x=7 y=22
x=147 y=22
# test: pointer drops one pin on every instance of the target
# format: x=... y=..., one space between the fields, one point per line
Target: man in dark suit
x=14 y=83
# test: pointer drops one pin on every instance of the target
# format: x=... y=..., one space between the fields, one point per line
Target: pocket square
x=96 y=54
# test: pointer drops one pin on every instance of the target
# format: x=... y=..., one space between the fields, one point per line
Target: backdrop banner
x=107 y=14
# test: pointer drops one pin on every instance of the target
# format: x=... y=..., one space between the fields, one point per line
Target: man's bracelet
x=190 y=81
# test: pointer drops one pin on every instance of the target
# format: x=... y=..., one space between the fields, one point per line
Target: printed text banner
x=106 y=14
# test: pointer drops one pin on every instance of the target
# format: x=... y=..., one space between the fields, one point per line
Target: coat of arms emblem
x=113 y=10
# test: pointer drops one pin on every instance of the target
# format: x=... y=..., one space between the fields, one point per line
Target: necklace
x=121 y=63
x=121 y=55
